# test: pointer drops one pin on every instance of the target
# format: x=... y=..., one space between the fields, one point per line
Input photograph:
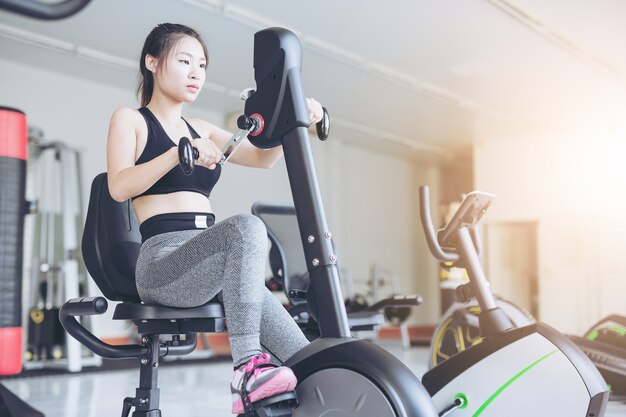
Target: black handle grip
x=187 y=154
x=244 y=122
x=86 y=306
x=323 y=126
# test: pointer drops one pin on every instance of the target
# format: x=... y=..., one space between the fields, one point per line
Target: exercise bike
x=514 y=371
x=337 y=374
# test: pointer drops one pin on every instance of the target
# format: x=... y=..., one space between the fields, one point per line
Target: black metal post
x=147 y=395
x=316 y=238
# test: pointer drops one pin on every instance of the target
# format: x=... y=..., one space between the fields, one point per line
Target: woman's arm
x=248 y=154
x=126 y=179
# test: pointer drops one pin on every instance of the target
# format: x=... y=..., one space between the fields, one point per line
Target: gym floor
x=189 y=390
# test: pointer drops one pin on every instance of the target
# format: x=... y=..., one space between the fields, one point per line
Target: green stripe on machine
x=509 y=382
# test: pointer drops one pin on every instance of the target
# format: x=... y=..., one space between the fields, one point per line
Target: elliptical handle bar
x=429 y=230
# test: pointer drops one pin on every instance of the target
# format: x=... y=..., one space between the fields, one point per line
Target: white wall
x=370 y=197
x=571 y=184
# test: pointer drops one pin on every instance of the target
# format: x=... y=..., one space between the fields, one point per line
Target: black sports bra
x=202 y=180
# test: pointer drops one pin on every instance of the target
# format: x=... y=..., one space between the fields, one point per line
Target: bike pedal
x=276 y=406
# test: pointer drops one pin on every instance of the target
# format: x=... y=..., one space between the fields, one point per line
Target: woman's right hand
x=210 y=154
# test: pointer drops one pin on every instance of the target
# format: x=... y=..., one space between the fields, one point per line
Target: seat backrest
x=286 y=254
x=111 y=242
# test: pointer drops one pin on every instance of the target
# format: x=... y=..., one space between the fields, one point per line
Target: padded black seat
x=111 y=242
x=133 y=311
x=154 y=318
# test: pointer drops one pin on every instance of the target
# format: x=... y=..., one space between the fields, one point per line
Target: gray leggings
x=187 y=268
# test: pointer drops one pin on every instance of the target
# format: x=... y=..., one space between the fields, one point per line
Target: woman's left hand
x=315 y=110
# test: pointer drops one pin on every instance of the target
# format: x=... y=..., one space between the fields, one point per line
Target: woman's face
x=183 y=73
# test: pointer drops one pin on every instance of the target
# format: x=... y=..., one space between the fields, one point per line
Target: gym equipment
x=56 y=272
x=187 y=154
x=450 y=277
x=286 y=260
x=397 y=315
x=248 y=126
x=13 y=144
x=605 y=344
x=110 y=245
x=45 y=333
x=337 y=374
x=513 y=371
x=13 y=155
x=458 y=328
x=44 y=10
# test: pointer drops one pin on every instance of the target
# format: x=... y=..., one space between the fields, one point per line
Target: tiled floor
x=186 y=391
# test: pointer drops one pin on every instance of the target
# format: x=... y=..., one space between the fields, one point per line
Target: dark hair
x=159 y=43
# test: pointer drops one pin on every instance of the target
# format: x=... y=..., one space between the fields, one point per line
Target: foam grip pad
x=13 y=151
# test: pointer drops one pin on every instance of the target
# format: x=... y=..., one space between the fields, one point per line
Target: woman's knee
x=251 y=230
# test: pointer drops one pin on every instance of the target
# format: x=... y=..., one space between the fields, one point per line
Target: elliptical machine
x=604 y=343
x=531 y=370
x=458 y=328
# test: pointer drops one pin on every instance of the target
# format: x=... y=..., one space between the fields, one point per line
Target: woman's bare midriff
x=178 y=202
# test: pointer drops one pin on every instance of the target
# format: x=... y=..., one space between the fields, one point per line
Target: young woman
x=185 y=259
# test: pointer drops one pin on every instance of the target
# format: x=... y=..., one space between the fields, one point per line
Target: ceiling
x=414 y=72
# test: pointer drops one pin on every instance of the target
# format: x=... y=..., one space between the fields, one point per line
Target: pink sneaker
x=259 y=379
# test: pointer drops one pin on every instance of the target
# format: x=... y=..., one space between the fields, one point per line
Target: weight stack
x=13 y=154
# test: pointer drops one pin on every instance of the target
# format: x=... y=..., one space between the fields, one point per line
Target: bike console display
x=472 y=208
